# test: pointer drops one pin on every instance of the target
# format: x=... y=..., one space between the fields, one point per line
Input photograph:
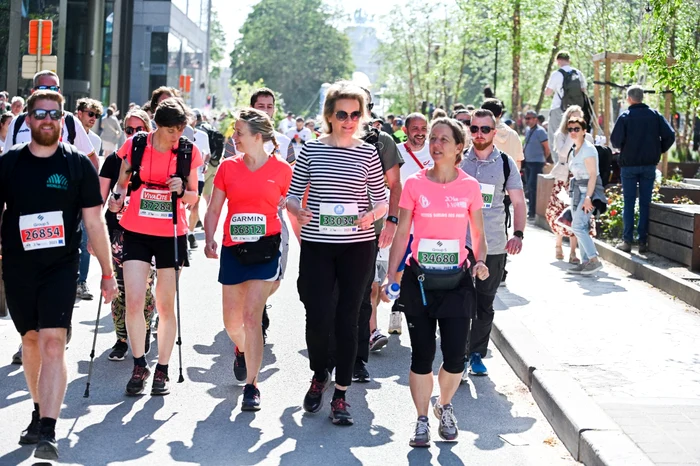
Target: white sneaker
x=395 y=323
x=378 y=340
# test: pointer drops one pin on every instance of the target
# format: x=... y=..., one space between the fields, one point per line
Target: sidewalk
x=632 y=348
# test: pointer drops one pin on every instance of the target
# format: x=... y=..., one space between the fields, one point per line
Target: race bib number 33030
x=155 y=203
x=41 y=231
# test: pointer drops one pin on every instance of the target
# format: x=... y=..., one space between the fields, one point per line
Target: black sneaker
x=251 y=398
x=314 y=397
x=161 y=384
x=339 y=413
x=17 y=357
x=193 y=241
x=360 y=373
x=137 y=382
x=47 y=448
x=119 y=351
x=239 y=369
x=643 y=248
x=30 y=435
x=147 y=346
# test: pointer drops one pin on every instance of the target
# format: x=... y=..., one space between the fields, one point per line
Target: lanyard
x=410 y=152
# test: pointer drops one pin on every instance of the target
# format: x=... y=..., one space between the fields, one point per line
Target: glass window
x=77 y=41
x=174 y=60
x=4 y=36
x=159 y=60
x=107 y=52
x=36 y=9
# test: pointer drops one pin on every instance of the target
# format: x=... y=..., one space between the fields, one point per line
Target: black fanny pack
x=258 y=252
x=438 y=280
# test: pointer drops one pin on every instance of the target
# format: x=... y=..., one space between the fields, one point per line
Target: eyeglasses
x=529 y=118
x=92 y=114
x=342 y=115
x=48 y=88
x=40 y=114
x=131 y=130
x=484 y=129
x=465 y=122
x=370 y=106
x=574 y=129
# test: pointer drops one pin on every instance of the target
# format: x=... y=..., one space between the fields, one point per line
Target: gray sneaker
x=421 y=437
x=624 y=247
x=83 y=292
x=591 y=267
x=448 y=430
x=577 y=269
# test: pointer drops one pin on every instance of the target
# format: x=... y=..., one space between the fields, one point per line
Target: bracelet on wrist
x=107 y=277
x=481 y=262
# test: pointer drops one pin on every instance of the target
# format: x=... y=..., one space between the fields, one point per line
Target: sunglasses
x=465 y=122
x=370 y=106
x=342 y=115
x=92 y=114
x=48 y=88
x=131 y=130
x=529 y=118
x=574 y=129
x=484 y=129
x=41 y=114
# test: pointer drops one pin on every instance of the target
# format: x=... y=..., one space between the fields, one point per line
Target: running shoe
x=378 y=340
x=239 y=368
x=576 y=270
x=251 y=398
x=421 y=436
x=83 y=292
x=161 y=384
x=119 y=351
x=591 y=267
x=47 y=448
x=30 y=435
x=17 y=357
x=193 y=241
x=339 y=413
x=314 y=397
x=147 y=346
x=137 y=382
x=643 y=248
x=360 y=374
x=395 y=323
x=448 y=423
x=476 y=366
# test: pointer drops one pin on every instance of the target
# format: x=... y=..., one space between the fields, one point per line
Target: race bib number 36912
x=337 y=219
x=247 y=227
x=41 y=231
x=155 y=203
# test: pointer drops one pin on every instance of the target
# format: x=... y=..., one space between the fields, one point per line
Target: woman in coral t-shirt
x=148 y=234
x=253 y=184
x=436 y=288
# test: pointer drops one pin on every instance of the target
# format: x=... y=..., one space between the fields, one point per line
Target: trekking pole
x=94 y=338
x=177 y=285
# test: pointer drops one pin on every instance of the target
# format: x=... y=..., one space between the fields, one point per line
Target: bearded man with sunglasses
x=47 y=187
x=485 y=162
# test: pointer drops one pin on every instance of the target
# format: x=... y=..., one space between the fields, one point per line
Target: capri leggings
x=453 y=338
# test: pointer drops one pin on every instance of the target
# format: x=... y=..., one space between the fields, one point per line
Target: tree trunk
x=517 y=47
x=555 y=47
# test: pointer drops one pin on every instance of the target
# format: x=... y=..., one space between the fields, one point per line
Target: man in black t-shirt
x=46 y=187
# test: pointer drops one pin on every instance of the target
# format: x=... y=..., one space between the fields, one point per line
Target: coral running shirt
x=252 y=198
x=440 y=218
x=150 y=207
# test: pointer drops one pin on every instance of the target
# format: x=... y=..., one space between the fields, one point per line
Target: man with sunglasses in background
x=47 y=187
x=487 y=163
x=536 y=151
x=506 y=139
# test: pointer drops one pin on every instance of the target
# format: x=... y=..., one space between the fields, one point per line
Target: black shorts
x=40 y=298
x=139 y=247
x=200 y=187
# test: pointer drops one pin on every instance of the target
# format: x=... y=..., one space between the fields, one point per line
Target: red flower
x=613 y=213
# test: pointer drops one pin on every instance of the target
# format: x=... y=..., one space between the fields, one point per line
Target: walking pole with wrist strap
x=174 y=197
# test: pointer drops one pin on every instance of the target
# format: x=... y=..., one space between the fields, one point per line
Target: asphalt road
x=201 y=421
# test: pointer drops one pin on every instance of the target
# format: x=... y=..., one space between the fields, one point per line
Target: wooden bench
x=674 y=232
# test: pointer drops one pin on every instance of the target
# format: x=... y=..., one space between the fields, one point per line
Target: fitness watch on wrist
x=393 y=219
x=519 y=234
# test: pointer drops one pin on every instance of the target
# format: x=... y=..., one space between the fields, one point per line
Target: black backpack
x=68 y=118
x=9 y=160
x=506 y=198
x=138 y=147
x=605 y=161
x=572 y=94
x=216 y=143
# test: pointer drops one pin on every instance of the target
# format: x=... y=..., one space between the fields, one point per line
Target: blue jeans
x=632 y=177
x=580 y=225
x=532 y=169
x=84 y=267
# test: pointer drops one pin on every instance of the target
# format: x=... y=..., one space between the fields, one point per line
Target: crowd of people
x=419 y=210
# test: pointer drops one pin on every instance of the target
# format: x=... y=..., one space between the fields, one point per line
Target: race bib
x=155 y=203
x=438 y=254
x=42 y=231
x=247 y=227
x=487 y=191
x=120 y=214
x=338 y=219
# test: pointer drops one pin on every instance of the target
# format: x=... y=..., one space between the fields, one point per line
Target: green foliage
x=242 y=91
x=217 y=45
x=294 y=48
x=611 y=225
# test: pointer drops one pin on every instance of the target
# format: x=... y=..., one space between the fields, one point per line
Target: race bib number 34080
x=41 y=231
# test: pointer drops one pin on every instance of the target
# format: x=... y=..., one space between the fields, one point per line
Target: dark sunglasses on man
x=48 y=88
x=465 y=121
x=92 y=114
x=41 y=114
x=130 y=130
x=484 y=129
x=342 y=115
x=574 y=129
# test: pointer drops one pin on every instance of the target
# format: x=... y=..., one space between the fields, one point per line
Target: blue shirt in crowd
x=534 y=152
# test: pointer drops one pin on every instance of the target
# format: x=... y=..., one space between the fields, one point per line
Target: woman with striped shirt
x=337 y=237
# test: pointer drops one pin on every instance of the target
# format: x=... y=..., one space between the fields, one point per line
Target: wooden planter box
x=674 y=232
x=689 y=169
x=545 y=183
x=669 y=192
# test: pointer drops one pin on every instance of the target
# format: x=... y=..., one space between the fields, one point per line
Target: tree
x=292 y=46
x=217 y=45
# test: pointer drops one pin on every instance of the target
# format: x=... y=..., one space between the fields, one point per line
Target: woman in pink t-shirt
x=436 y=288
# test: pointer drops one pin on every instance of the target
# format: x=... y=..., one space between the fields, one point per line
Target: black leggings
x=453 y=341
x=320 y=266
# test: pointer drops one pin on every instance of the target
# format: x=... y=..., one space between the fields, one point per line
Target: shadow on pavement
x=13 y=381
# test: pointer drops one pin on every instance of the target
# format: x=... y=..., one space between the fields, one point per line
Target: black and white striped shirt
x=337 y=176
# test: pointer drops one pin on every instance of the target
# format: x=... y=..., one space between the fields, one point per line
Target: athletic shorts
x=40 y=299
x=209 y=180
x=402 y=264
x=232 y=272
x=145 y=248
x=284 y=246
x=200 y=187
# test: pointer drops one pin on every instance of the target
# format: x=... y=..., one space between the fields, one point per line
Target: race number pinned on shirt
x=338 y=219
x=120 y=214
x=487 y=192
x=155 y=203
x=41 y=231
x=438 y=254
x=247 y=227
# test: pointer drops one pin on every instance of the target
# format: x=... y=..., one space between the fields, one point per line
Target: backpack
x=216 y=143
x=506 y=197
x=605 y=161
x=572 y=94
x=68 y=118
x=9 y=160
x=138 y=147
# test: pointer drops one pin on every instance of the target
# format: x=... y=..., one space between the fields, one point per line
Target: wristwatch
x=393 y=219
x=519 y=234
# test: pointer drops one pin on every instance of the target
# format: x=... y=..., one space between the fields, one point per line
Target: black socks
x=162 y=368
x=36 y=408
x=338 y=394
x=140 y=361
x=48 y=426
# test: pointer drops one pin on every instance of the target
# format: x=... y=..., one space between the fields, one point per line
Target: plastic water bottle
x=393 y=291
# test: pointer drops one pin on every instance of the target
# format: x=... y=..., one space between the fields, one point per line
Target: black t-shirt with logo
x=41 y=223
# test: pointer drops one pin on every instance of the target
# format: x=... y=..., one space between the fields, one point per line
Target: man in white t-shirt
x=556 y=91
x=415 y=152
x=201 y=140
x=88 y=111
x=286 y=124
x=506 y=139
x=299 y=136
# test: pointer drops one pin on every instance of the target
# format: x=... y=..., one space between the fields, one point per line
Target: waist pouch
x=434 y=280
x=258 y=252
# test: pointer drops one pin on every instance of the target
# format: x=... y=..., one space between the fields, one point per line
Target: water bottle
x=393 y=291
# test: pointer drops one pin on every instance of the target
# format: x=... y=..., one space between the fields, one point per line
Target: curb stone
x=607 y=448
